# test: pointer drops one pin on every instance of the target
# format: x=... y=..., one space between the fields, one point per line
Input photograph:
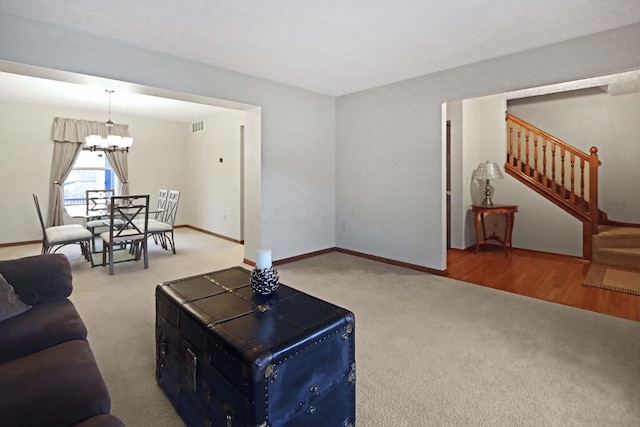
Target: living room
x=367 y=167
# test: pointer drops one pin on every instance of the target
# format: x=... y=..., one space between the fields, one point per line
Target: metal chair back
x=128 y=225
x=133 y=215
x=97 y=202
x=161 y=205
x=172 y=207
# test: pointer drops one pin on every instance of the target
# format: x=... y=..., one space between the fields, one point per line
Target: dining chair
x=162 y=231
x=158 y=214
x=55 y=237
x=97 y=211
x=173 y=198
x=128 y=224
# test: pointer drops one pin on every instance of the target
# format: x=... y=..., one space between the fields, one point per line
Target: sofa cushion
x=39 y=278
x=10 y=304
x=57 y=386
x=42 y=326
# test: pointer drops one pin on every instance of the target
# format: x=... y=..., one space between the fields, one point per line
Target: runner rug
x=613 y=278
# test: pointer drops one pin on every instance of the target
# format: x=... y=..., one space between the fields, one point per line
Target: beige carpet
x=430 y=351
x=613 y=278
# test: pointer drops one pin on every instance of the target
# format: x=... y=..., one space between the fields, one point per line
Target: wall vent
x=197 y=126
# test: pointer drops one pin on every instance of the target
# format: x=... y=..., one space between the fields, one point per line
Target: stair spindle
x=510 y=159
x=544 y=162
x=563 y=190
x=519 y=164
x=527 y=168
x=553 y=167
x=572 y=194
x=535 y=157
x=582 y=203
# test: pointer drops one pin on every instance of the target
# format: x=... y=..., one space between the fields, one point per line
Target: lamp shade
x=96 y=141
x=126 y=142
x=113 y=140
x=487 y=171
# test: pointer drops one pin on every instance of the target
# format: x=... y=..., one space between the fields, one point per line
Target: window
x=91 y=171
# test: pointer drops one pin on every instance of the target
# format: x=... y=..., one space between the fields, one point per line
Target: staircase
x=568 y=177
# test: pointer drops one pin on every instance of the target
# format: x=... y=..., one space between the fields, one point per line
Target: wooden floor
x=543 y=276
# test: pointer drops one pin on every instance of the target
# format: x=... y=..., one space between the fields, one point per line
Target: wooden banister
x=575 y=189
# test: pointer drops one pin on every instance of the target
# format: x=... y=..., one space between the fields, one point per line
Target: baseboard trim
x=358 y=254
x=531 y=252
x=294 y=258
x=28 y=242
x=211 y=233
x=394 y=262
x=304 y=256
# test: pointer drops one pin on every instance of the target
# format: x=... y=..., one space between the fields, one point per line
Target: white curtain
x=69 y=136
x=120 y=165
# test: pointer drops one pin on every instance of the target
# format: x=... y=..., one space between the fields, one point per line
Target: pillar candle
x=264 y=259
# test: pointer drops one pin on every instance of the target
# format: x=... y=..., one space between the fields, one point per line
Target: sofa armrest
x=40 y=278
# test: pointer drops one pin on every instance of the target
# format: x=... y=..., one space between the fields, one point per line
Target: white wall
x=298 y=176
x=594 y=118
x=253 y=183
x=214 y=186
x=471 y=156
x=454 y=115
x=389 y=174
x=479 y=139
x=156 y=160
x=25 y=164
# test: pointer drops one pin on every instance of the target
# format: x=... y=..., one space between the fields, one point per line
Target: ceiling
x=333 y=47
x=18 y=88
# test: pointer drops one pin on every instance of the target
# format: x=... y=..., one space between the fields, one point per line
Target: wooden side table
x=508 y=211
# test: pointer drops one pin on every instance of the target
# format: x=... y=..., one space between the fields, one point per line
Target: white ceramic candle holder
x=264 y=280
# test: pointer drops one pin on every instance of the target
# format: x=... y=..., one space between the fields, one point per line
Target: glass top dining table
x=80 y=211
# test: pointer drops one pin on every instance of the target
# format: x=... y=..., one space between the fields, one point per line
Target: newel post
x=593 y=189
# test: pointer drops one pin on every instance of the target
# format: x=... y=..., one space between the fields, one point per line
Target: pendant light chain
x=109 y=122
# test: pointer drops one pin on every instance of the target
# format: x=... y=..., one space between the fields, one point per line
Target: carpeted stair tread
x=616 y=230
x=616 y=237
x=618 y=246
x=623 y=257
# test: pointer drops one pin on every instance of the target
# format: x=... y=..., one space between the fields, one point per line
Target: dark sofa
x=48 y=374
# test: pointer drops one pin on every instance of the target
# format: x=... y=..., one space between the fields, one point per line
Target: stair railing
x=547 y=165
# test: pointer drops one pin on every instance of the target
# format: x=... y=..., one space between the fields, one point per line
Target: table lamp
x=487 y=171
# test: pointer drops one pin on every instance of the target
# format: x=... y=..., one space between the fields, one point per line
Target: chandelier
x=111 y=142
